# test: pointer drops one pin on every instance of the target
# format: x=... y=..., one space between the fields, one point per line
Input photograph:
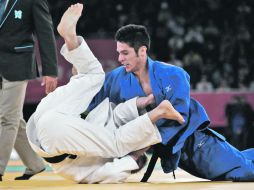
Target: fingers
x=50 y=87
x=50 y=84
x=142 y=102
x=43 y=81
x=151 y=99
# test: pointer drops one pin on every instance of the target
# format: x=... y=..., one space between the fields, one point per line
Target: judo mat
x=159 y=181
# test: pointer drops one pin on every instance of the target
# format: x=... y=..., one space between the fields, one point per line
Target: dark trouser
x=207 y=155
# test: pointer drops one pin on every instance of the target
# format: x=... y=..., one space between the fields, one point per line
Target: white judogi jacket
x=103 y=140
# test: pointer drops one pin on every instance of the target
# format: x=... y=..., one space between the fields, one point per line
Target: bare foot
x=67 y=25
x=169 y=112
x=142 y=102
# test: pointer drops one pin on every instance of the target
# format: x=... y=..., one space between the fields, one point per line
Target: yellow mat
x=158 y=181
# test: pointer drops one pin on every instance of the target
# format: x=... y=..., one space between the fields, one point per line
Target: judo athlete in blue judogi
x=192 y=146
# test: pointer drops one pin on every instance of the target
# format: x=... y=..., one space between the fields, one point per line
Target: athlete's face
x=128 y=57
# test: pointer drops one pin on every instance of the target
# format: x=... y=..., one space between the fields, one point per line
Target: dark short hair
x=133 y=35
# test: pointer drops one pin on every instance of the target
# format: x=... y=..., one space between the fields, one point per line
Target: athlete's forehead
x=123 y=47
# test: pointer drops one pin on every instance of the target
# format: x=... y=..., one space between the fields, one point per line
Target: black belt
x=59 y=158
x=150 y=167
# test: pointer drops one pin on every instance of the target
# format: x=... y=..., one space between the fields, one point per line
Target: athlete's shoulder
x=118 y=70
x=163 y=68
x=115 y=73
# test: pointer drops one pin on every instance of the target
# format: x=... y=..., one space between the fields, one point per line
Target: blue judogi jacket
x=167 y=82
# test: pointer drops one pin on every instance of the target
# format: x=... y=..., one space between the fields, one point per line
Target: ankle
x=71 y=41
x=155 y=114
x=70 y=37
x=161 y=112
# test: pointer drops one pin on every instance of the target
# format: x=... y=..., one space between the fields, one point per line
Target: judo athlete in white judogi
x=97 y=149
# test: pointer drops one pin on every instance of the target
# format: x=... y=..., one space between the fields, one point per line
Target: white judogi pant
x=103 y=140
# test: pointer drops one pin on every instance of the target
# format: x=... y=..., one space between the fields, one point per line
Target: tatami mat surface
x=158 y=181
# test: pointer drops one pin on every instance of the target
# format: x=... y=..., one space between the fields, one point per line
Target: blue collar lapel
x=131 y=87
x=155 y=82
x=8 y=10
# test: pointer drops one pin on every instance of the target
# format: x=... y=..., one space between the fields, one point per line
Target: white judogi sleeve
x=125 y=112
x=82 y=58
x=74 y=97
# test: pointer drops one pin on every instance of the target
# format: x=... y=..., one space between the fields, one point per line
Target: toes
x=180 y=119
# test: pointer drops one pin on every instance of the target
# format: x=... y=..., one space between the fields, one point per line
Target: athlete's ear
x=142 y=51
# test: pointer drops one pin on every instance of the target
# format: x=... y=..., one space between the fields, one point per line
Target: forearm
x=125 y=112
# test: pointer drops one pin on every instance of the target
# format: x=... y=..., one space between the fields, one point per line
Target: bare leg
x=67 y=25
x=165 y=111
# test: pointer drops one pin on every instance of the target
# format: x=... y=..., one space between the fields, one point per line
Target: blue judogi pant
x=208 y=156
